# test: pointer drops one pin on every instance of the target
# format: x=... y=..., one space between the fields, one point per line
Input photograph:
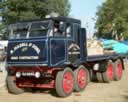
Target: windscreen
x=29 y=29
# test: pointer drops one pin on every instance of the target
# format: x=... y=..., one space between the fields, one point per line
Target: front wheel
x=64 y=83
x=12 y=87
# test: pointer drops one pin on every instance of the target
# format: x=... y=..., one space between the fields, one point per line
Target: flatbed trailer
x=105 y=57
x=52 y=53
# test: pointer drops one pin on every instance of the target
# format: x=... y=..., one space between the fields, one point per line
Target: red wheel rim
x=81 y=78
x=68 y=82
x=110 y=71
x=119 y=70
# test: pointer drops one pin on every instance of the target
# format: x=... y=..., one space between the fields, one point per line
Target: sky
x=85 y=10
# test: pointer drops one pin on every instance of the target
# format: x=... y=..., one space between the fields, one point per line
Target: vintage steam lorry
x=52 y=53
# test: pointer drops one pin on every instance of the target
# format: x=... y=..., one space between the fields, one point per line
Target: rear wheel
x=81 y=76
x=12 y=87
x=108 y=75
x=118 y=70
x=90 y=77
x=99 y=76
x=64 y=82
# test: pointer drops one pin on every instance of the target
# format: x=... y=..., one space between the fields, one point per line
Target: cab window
x=59 y=29
x=69 y=30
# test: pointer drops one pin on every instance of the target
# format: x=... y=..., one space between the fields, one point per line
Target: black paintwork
x=102 y=57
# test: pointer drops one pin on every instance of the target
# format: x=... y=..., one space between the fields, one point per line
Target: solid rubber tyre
x=90 y=77
x=118 y=70
x=11 y=86
x=99 y=76
x=81 y=77
x=64 y=83
x=108 y=75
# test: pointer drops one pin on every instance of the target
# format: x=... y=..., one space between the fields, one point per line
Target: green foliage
x=113 y=19
x=19 y=10
x=58 y=6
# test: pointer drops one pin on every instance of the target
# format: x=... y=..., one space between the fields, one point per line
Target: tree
x=19 y=10
x=113 y=19
x=60 y=6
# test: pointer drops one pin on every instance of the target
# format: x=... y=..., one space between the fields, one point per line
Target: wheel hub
x=68 y=82
x=81 y=78
x=110 y=71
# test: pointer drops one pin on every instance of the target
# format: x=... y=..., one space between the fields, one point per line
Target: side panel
x=27 y=52
x=73 y=51
x=83 y=45
x=57 y=51
x=77 y=45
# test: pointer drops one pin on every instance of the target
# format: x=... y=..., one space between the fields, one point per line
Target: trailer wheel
x=81 y=76
x=64 y=82
x=99 y=76
x=108 y=75
x=11 y=85
x=118 y=70
x=90 y=75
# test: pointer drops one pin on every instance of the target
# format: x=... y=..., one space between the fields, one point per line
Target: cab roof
x=61 y=18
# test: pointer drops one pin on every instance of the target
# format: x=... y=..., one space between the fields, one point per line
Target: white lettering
x=33 y=46
x=20 y=46
x=36 y=48
x=24 y=58
x=74 y=53
x=28 y=57
x=14 y=58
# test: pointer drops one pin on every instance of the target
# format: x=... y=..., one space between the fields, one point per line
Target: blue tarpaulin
x=116 y=46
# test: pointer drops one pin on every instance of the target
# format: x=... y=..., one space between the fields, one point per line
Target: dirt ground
x=95 y=92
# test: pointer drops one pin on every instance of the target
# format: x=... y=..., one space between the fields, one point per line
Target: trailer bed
x=105 y=57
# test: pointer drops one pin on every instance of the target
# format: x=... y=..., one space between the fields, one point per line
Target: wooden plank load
x=95 y=47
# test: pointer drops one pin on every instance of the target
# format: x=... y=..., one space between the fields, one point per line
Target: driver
x=56 y=32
